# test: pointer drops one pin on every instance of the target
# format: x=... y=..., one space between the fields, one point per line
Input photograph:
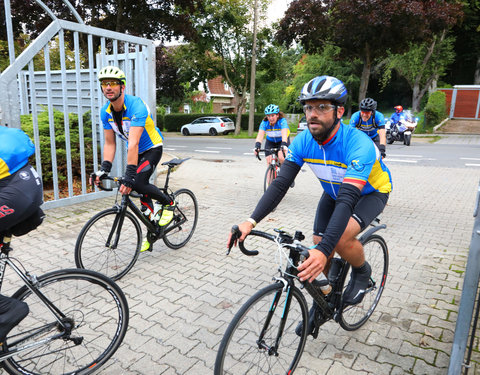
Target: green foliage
x=61 y=154
x=173 y=122
x=436 y=109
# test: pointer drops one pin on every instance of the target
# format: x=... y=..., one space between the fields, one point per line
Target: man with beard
x=355 y=181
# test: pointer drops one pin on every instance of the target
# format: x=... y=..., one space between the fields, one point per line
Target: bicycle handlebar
x=285 y=239
x=273 y=150
x=117 y=180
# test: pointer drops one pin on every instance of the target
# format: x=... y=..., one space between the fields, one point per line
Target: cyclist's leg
x=268 y=145
x=12 y=312
x=21 y=194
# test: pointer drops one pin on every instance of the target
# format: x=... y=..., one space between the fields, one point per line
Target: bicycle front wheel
x=270 y=175
x=95 y=321
x=261 y=338
x=376 y=254
x=99 y=249
x=185 y=217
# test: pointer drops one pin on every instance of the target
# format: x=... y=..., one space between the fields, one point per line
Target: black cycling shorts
x=21 y=195
x=367 y=208
x=269 y=144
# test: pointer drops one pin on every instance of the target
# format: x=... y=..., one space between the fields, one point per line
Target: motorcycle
x=402 y=130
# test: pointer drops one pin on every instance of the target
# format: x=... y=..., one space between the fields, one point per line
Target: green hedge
x=173 y=122
x=61 y=154
x=436 y=109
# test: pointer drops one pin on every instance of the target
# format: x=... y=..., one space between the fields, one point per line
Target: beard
x=322 y=129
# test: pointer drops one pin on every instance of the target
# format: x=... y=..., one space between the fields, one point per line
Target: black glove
x=105 y=169
x=258 y=146
x=382 y=150
x=130 y=176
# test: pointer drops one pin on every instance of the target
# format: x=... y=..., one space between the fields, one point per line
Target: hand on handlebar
x=312 y=266
x=238 y=233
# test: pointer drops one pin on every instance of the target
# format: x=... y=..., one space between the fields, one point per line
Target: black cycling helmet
x=324 y=87
x=368 y=104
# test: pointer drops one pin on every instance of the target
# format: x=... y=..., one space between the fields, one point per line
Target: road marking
x=169 y=149
x=472 y=165
x=400 y=160
x=220 y=148
x=469 y=158
x=248 y=153
x=406 y=156
x=211 y=151
x=177 y=146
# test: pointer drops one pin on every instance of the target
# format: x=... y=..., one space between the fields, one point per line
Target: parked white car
x=209 y=125
x=302 y=124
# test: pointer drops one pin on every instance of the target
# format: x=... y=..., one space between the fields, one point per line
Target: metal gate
x=463 y=102
x=74 y=92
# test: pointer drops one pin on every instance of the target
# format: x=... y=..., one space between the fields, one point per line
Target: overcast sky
x=277 y=9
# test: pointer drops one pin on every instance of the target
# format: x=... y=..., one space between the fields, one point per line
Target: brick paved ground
x=182 y=300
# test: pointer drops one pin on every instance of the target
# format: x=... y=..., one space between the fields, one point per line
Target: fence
x=463 y=102
x=26 y=90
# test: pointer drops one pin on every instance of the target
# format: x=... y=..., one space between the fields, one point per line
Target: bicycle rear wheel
x=244 y=351
x=96 y=310
x=95 y=248
x=185 y=217
x=376 y=254
x=270 y=175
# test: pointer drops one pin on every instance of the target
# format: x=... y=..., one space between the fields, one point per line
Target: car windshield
x=304 y=119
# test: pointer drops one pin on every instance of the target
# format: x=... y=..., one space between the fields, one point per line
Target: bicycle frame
x=30 y=281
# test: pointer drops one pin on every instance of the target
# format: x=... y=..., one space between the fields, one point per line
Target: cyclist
x=355 y=181
x=371 y=122
x=21 y=194
x=129 y=118
x=398 y=115
x=275 y=126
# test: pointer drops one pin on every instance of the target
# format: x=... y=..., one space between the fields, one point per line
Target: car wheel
x=185 y=132
x=212 y=131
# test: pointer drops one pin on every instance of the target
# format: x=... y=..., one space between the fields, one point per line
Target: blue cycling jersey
x=274 y=132
x=369 y=128
x=15 y=149
x=135 y=113
x=347 y=156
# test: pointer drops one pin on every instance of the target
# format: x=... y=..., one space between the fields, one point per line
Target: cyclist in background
x=371 y=122
x=275 y=126
x=21 y=194
x=129 y=118
x=355 y=181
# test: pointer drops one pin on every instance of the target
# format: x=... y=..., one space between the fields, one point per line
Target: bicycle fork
x=117 y=226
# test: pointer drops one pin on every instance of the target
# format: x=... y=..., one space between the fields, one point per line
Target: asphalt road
x=442 y=153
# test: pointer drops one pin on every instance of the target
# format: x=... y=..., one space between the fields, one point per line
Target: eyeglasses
x=109 y=83
x=322 y=108
x=365 y=112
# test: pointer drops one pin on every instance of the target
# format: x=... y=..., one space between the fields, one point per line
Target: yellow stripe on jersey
x=4 y=171
x=379 y=179
x=328 y=162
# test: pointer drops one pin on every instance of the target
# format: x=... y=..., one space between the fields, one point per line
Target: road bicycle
x=110 y=241
x=273 y=168
x=265 y=335
x=77 y=320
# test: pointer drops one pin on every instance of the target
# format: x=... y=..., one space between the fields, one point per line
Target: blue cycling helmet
x=272 y=109
x=324 y=87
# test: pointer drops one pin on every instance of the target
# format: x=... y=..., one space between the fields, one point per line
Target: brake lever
x=235 y=236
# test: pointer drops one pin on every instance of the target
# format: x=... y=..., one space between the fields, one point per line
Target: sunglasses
x=322 y=108
x=110 y=83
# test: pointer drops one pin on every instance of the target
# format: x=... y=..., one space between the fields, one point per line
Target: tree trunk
x=476 y=77
x=367 y=67
x=416 y=98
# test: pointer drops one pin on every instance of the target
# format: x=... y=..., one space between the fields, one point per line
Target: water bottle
x=321 y=282
x=147 y=212
x=157 y=209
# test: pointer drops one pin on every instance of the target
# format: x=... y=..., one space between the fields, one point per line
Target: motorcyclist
x=398 y=115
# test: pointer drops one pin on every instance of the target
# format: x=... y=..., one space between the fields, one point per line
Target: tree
x=365 y=29
x=422 y=65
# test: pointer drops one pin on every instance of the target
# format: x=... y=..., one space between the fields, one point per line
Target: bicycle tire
x=376 y=254
x=270 y=175
x=93 y=253
x=98 y=311
x=239 y=352
x=186 y=209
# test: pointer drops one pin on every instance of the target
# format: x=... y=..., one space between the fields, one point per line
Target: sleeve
x=380 y=120
x=354 y=120
x=262 y=126
x=284 y=124
x=276 y=191
x=139 y=114
x=104 y=118
x=294 y=155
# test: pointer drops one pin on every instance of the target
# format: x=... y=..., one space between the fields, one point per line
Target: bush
x=436 y=109
x=174 y=121
x=61 y=153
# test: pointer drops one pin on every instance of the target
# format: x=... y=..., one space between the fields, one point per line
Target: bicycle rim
x=184 y=221
x=270 y=175
x=99 y=314
x=239 y=351
x=93 y=251
x=376 y=254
